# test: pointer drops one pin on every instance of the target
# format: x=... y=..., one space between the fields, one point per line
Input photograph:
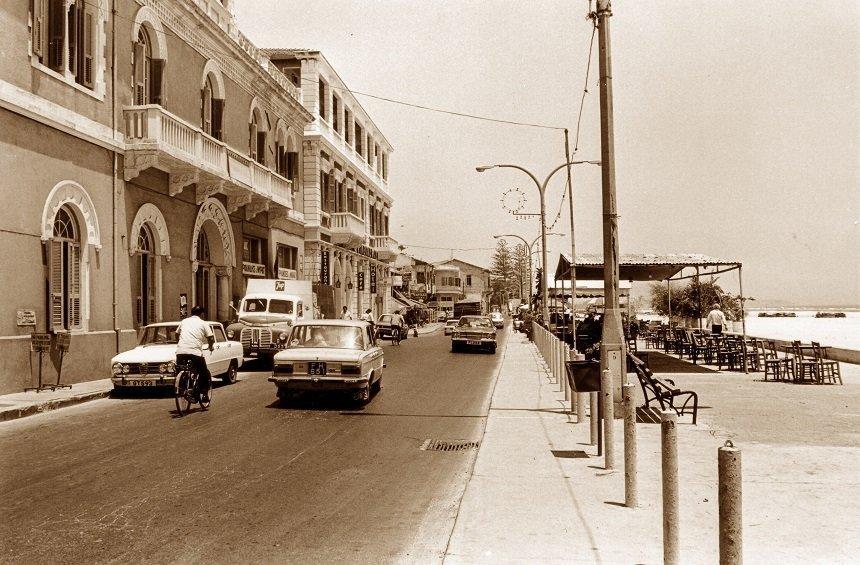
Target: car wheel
x=377 y=386
x=454 y=347
x=493 y=349
x=363 y=396
x=232 y=374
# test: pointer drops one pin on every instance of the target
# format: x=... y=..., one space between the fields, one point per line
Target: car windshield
x=337 y=337
x=453 y=322
x=385 y=319
x=254 y=305
x=467 y=322
x=158 y=335
x=281 y=306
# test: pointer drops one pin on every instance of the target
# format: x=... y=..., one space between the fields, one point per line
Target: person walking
x=716 y=320
x=346 y=314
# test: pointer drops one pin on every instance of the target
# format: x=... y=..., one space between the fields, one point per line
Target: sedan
x=497 y=319
x=153 y=361
x=474 y=331
x=450 y=325
x=329 y=356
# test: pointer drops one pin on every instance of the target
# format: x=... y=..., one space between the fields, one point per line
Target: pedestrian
x=716 y=320
x=346 y=314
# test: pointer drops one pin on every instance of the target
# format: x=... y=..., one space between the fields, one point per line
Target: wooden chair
x=727 y=353
x=699 y=349
x=778 y=367
x=805 y=367
x=827 y=368
x=756 y=354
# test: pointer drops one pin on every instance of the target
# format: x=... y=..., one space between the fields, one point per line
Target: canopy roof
x=638 y=266
x=406 y=301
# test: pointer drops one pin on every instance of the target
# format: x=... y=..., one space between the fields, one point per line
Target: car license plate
x=142 y=382
x=473 y=342
x=316 y=369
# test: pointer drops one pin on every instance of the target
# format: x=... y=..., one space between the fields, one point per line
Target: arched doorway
x=203 y=276
x=146 y=282
x=212 y=260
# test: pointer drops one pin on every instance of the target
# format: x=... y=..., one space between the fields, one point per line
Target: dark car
x=474 y=331
x=385 y=329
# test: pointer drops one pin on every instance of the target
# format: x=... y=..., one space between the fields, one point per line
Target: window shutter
x=217 y=115
x=331 y=195
x=40 y=12
x=261 y=147
x=152 y=289
x=55 y=284
x=74 y=16
x=56 y=32
x=88 y=41
x=139 y=73
x=74 y=286
x=155 y=82
x=138 y=311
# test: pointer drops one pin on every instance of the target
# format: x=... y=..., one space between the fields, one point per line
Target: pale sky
x=737 y=125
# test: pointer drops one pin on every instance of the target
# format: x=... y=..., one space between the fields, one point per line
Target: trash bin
x=583 y=376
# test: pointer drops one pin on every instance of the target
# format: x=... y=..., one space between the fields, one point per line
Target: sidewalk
x=20 y=404
x=523 y=504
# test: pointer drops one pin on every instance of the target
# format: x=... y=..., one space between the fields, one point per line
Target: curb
x=32 y=409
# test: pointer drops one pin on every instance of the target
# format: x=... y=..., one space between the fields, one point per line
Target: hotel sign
x=253 y=269
x=373 y=280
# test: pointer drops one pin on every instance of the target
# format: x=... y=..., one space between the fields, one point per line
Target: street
x=124 y=480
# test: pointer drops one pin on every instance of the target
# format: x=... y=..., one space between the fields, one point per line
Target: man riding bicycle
x=194 y=334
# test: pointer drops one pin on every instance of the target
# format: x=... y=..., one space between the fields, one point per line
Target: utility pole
x=612 y=350
x=572 y=247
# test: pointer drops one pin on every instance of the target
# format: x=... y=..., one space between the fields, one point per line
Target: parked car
x=329 y=356
x=153 y=361
x=497 y=319
x=474 y=331
x=384 y=329
x=450 y=325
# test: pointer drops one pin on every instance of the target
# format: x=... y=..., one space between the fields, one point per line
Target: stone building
x=348 y=253
x=152 y=160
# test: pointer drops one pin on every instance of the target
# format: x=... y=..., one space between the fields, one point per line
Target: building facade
x=152 y=161
x=348 y=253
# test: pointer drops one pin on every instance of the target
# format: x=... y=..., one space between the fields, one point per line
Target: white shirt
x=193 y=334
x=346 y=315
x=367 y=317
x=716 y=318
x=397 y=320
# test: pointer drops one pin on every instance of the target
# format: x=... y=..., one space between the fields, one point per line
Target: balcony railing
x=357 y=159
x=182 y=146
x=347 y=228
x=385 y=245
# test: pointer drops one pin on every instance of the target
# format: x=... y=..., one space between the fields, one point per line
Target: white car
x=450 y=325
x=329 y=356
x=497 y=319
x=153 y=361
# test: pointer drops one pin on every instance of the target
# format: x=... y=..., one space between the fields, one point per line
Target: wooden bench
x=663 y=391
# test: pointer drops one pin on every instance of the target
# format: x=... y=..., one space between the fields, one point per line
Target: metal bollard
x=592 y=416
x=730 y=500
x=608 y=418
x=669 y=452
x=631 y=495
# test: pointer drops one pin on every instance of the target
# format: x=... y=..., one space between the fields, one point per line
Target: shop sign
x=360 y=280
x=397 y=281
x=373 y=280
x=287 y=274
x=25 y=317
x=40 y=342
x=363 y=250
x=183 y=306
x=253 y=269
x=64 y=339
x=324 y=275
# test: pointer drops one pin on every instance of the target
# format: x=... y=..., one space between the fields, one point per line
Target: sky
x=737 y=126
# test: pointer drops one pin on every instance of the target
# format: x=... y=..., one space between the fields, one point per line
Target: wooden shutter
x=331 y=195
x=152 y=292
x=139 y=73
x=74 y=268
x=40 y=15
x=56 y=35
x=74 y=46
x=155 y=82
x=88 y=41
x=217 y=116
x=55 y=285
x=261 y=147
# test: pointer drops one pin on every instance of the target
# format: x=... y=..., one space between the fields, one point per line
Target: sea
x=835 y=332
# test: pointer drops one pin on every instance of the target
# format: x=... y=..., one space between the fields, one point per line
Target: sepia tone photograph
x=429 y=282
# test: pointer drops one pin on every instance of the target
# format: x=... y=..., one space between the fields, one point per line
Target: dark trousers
x=716 y=329
x=199 y=364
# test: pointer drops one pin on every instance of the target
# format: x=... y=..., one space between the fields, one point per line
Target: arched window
x=257 y=129
x=147 y=70
x=213 y=109
x=145 y=278
x=64 y=277
x=202 y=276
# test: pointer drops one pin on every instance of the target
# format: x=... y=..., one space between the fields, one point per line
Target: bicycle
x=395 y=336
x=187 y=390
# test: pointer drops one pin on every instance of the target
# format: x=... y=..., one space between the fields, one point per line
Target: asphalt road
x=124 y=480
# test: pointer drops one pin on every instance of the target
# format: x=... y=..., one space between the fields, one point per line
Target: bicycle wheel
x=181 y=394
x=205 y=394
x=395 y=337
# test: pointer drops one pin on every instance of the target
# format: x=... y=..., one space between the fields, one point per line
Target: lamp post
x=529 y=251
x=542 y=191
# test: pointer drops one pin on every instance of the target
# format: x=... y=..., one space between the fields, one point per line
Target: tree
x=694 y=299
x=521 y=271
x=502 y=273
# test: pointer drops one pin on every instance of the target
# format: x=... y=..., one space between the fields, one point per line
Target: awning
x=638 y=267
x=406 y=301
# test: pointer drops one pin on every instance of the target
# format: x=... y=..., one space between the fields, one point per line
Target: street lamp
x=542 y=191
x=529 y=249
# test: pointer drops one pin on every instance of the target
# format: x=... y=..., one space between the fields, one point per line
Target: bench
x=663 y=391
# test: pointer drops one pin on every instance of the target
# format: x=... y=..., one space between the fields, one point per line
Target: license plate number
x=316 y=369
x=142 y=382
x=473 y=342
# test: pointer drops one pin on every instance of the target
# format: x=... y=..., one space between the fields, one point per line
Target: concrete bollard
x=565 y=358
x=730 y=500
x=669 y=453
x=592 y=416
x=580 y=406
x=608 y=420
x=631 y=495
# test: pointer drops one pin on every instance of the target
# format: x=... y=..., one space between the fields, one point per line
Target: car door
x=219 y=359
x=374 y=353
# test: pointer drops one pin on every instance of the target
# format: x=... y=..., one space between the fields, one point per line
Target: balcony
x=347 y=229
x=157 y=138
x=336 y=140
x=385 y=246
